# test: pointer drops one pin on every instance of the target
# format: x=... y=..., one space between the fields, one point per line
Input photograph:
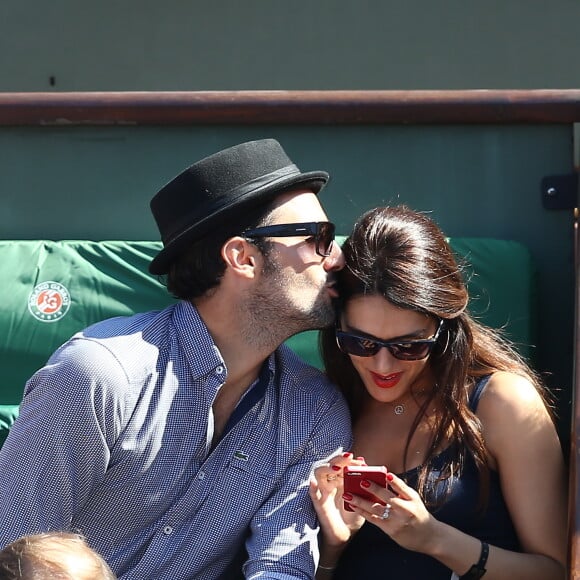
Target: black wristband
x=478 y=570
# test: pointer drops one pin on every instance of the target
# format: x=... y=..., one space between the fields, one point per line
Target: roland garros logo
x=49 y=301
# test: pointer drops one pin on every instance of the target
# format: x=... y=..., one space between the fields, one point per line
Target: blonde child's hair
x=54 y=556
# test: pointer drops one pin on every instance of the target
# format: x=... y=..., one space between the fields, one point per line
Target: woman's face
x=385 y=377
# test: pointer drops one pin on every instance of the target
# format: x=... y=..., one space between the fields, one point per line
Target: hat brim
x=313 y=180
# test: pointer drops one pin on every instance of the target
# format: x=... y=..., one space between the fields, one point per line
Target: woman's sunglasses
x=323 y=233
x=357 y=345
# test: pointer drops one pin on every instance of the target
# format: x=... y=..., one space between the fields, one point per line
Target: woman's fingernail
x=390 y=476
x=347 y=496
x=347 y=454
x=336 y=467
x=365 y=483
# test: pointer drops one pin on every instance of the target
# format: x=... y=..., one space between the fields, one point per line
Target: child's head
x=54 y=556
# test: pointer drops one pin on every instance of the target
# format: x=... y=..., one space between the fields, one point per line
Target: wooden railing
x=325 y=108
x=290 y=107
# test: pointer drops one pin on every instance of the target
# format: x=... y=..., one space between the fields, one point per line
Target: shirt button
x=201 y=475
x=167 y=530
x=219 y=370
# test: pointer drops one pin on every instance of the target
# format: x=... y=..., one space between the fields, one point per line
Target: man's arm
x=284 y=535
x=58 y=448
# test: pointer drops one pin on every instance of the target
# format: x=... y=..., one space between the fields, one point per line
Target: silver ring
x=330 y=477
x=386 y=512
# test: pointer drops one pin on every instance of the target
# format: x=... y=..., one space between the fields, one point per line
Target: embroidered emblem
x=241 y=455
x=49 y=301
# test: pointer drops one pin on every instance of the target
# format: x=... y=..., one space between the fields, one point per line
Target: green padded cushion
x=102 y=279
x=501 y=280
x=8 y=414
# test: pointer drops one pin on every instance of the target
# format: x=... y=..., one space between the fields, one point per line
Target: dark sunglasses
x=323 y=233
x=357 y=345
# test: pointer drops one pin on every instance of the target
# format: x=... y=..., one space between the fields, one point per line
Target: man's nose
x=336 y=259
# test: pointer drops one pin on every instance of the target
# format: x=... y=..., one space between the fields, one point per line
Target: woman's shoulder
x=506 y=392
x=511 y=405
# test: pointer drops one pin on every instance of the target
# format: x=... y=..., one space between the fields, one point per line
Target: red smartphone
x=354 y=474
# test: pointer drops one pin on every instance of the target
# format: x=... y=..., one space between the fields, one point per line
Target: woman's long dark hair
x=403 y=256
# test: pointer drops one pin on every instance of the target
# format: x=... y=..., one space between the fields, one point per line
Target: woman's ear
x=241 y=256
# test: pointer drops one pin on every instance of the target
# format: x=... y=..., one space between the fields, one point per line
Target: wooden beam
x=291 y=107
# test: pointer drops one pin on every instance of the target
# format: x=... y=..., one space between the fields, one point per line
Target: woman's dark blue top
x=372 y=554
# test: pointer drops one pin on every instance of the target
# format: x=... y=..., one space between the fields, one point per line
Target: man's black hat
x=209 y=191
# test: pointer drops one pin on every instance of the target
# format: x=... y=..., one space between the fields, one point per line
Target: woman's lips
x=386 y=381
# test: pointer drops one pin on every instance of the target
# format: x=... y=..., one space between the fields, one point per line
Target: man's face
x=297 y=285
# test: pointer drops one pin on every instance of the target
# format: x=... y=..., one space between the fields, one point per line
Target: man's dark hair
x=200 y=267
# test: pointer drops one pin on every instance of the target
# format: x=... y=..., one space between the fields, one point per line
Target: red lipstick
x=386 y=381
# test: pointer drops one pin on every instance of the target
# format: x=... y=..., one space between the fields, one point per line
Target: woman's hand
x=400 y=513
x=326 y=489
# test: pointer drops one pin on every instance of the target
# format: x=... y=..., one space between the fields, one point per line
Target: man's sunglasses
x=409 y=350
x=323 y=233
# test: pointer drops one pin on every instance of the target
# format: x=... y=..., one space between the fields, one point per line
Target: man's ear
x=241 y=256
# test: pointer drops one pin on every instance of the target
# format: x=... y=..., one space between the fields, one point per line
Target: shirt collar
x=202 y=354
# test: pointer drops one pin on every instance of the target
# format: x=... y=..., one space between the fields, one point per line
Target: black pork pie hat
x=202 y=196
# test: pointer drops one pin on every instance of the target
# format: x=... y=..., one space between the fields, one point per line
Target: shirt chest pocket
x=245 y=484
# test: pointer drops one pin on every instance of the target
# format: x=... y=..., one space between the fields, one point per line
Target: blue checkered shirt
x=114 y=441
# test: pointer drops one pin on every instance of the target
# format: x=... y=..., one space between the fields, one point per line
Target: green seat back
x=54 y=289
